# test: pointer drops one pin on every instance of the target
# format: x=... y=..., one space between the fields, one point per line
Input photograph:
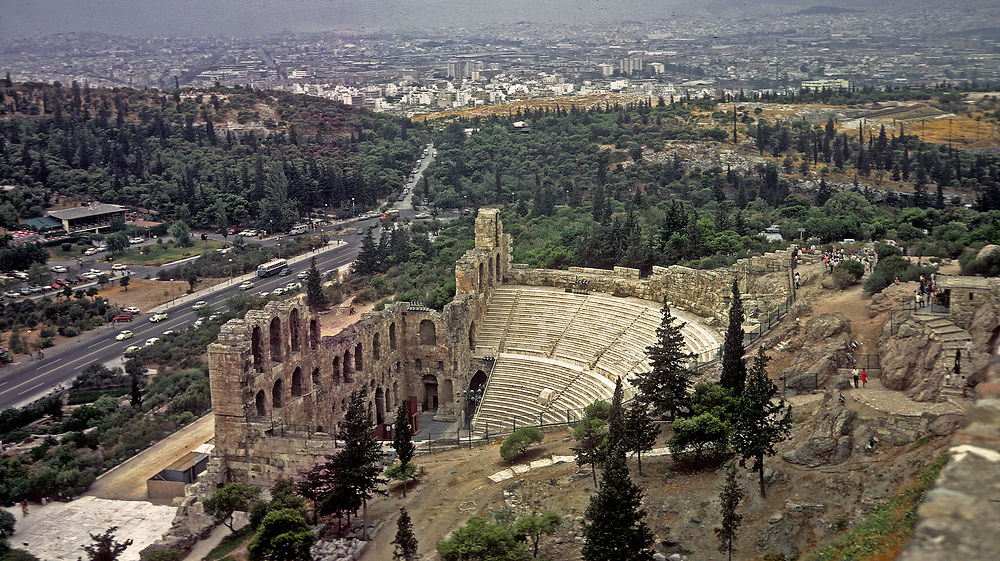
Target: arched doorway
x=392 y=336
x=276 y=340
x=315 y=379
x=293 y=329
x=359 y=359
x=477 y=388
x=347 y=366
x=261 y=403
x=313 y=334
x=257 y=349
x=379 y=406
x=430 y=400
x=276 y=394
x=297 y=382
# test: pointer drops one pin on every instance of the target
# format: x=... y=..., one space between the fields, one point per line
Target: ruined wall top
x=489 y=230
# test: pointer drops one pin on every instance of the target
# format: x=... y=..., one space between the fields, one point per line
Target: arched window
x=428 y=333
x=276 y=394
x=313 y=333
x=472 y=335
x=379 y=406
x=359 y=363
x=315 y=379
x=482 y=285
x=347 y=366
x=261 y=402
x=293 y=329
x=297 y=381
x=376 y=347
x=492 y=276
x=336 y=369
x=257 y=349
x=392 y=336
x=276 y=340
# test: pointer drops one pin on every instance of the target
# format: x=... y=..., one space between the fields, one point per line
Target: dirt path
x=128 y=481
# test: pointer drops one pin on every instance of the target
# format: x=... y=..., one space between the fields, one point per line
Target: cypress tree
x=613 y=523
x=640 y=431
x=314 y=287
x=760 y=422
x=357 y=464
x=402 y=441
x=734 y=370
x=405 y=541
x=730 y=497
x=665 y=388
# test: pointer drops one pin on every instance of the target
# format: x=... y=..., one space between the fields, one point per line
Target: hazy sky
x=22 y=18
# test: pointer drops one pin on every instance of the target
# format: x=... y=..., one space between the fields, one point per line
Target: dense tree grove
x=232 y=156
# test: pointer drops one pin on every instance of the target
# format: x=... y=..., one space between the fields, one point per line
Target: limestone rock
x=893 y=296
x=831 y=442
x=825 y=348
x=908 y=360
x=659 y=557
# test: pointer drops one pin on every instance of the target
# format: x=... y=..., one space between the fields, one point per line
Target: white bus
x=271 y=267
x=298 y=229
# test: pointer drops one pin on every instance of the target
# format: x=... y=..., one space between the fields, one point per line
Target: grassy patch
x=76 y=250
x=882 y=534
x=230 y=543
x=78 y=397
x=166 y=253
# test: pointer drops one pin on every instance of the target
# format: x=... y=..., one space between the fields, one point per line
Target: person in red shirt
x=864 y=377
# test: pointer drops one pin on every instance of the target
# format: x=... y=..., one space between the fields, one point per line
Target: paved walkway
x=58 y=531
x=876 y=396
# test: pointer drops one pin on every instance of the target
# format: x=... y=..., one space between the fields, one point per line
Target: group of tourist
x=868 y=256
x=860 y=374
x=927 y=292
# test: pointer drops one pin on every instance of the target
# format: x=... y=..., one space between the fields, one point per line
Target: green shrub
x=164 y=555
x=855 y=269
x=519 y=442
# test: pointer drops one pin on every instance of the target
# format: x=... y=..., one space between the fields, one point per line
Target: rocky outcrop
x=831 y=443
x=893 y=297
x=908 y=360
x=824 y=346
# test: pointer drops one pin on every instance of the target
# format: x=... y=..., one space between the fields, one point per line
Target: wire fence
x=764 y=326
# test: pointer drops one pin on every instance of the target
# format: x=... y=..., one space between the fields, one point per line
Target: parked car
x=151 y=341
x=157 y=318
x=136 y=240
x=12 y=294
x=198 y=323
x=199 y=305
x=131 y=349
x=122 y=335
x=91 y=251
x=278 y=291
x=121 y=317
x=119 y=267
x=168 y=332
x=58 y=269
x=132 y=310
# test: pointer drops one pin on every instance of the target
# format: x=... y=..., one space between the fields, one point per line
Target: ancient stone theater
x=517 y=346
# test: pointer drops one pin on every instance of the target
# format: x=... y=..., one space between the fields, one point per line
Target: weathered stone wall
x=280 y=391
x=967 y=295
x=763 y=279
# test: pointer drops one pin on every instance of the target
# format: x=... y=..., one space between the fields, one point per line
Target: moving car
x=136 y=240
x=91 y=251
x=285 y=272
x=246 y=285
x=156 y=318
x=168 y=332
x=151 y=341
x=122 y=335
x=302 y=275
x=131 y=349
x=199 y=305
x=119 y=267
x=121 y=317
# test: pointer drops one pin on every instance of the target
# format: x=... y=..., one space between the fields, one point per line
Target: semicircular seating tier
x=557 y=352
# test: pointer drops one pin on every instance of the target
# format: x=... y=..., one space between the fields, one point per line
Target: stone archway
x=359 y=358
x=379 y=406
x=277 y=393
x=257 y=348
x=347 y=366
x=261 y=403
x=275 y=332
x=313 y=334
x=392 y=336
x=376 y=347
x=297 y=382
x=477 y=387
x=315 y=380
x=430 y=397
x=336 y=369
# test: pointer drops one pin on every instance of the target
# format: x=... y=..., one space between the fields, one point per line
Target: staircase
x=952 y=339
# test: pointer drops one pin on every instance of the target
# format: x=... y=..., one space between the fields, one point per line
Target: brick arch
x=274 y=332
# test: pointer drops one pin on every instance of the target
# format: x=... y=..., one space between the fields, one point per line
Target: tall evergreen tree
x=367 y=260
x=665 y=388
x=135 y=372
x=405 y=542
x=314 y=287
x=613 y=523
x=730 y=497
x=734 y=369
x=760 y=422
x=402 y=440
x=358 y=463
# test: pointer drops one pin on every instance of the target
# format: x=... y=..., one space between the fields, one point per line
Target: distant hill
x=824 y=10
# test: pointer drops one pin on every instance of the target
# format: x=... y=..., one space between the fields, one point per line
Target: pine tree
x=734 y=370
x=730 y=497
x=314 y=287
x=105 y=546
x=135 y=372
x=613 y=523
x=358 y=463
x=760 y=422
x=640 y=431
x=367 y=260
x=665 y=388
x=401 y=441
x=405 y=541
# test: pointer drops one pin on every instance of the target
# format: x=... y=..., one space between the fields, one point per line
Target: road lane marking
x=30 y=389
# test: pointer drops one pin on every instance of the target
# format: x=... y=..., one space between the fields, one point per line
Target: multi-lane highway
x=30 y=379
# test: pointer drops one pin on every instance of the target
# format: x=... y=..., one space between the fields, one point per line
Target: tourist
x=855 y=374
x=796 y=280
x=24 y=507
x=864 y=377
x=916 y=301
